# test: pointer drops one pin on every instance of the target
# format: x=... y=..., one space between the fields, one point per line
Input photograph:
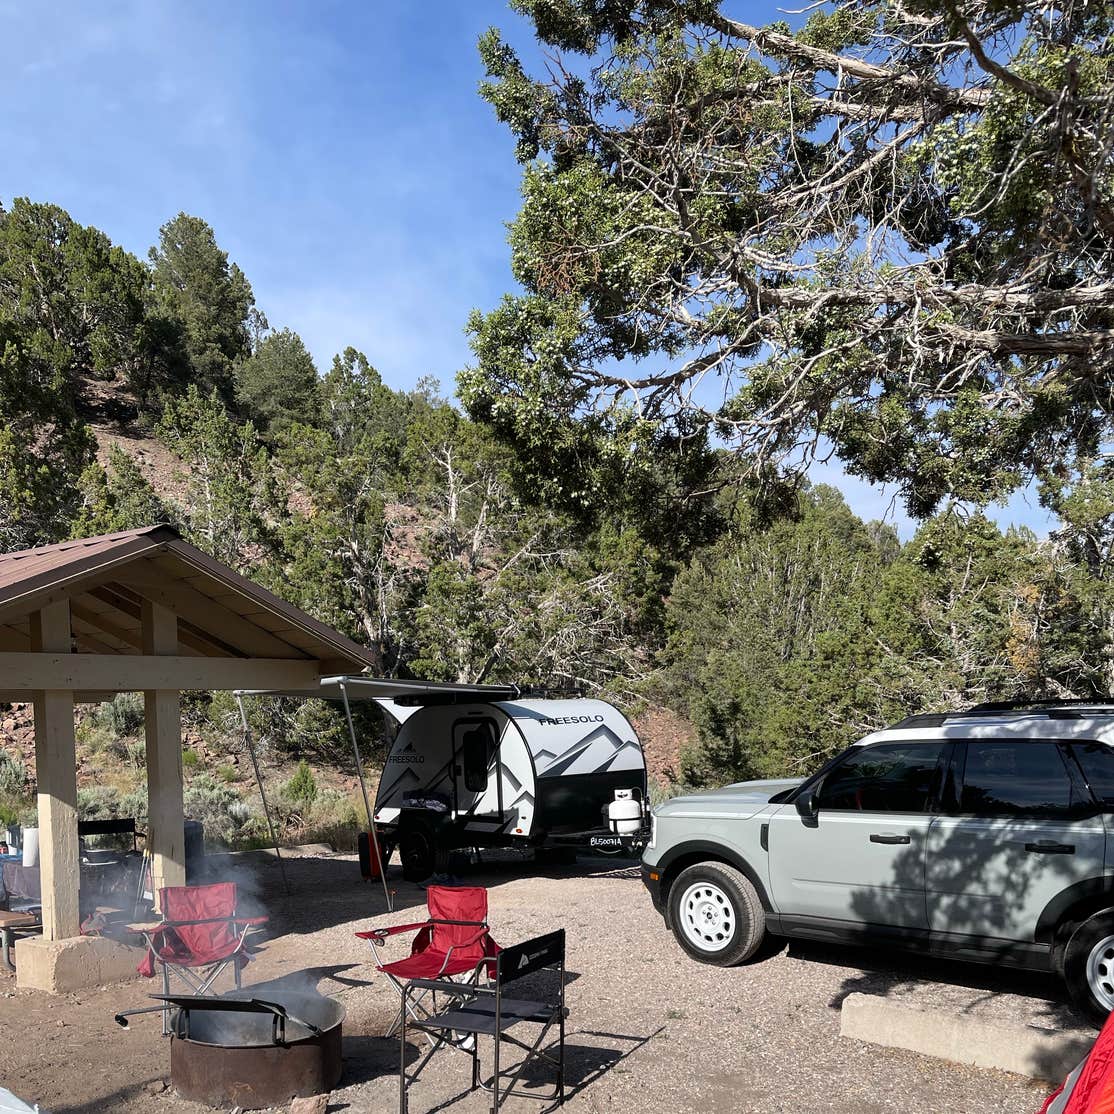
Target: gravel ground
x=649 y=1029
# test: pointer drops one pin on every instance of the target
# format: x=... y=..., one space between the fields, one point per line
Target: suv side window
x=889 y=777
x=1097 y=762
x=1022 y=778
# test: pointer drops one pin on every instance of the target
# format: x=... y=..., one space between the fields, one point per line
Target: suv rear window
x=1026 y=778
x=888 y=777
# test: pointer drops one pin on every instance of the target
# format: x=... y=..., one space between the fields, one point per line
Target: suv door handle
x=1047 y=847
x=887 y=837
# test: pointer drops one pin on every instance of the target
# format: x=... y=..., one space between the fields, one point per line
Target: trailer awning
x=360 y=687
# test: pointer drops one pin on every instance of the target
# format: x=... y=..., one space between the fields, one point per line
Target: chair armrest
x=251 y=922
x=444 y=986
x=381 y=934
x=144 y=928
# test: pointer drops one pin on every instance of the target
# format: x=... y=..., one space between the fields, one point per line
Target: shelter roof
x=108 y=579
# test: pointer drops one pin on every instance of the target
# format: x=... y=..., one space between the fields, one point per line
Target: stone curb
x=1046 y=1054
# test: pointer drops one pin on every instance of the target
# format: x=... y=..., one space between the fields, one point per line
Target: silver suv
x=980 y=835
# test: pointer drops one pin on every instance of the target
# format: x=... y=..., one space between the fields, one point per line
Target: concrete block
x=1046 y=1054
x=61 y=966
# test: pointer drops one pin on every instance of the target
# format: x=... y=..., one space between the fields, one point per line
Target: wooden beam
x=206 y=614
x=163 y=729
x=128 y=635
x=139 y=672
x=129 y=602
x=22 y=696
x=12 y=639
x=56 y=772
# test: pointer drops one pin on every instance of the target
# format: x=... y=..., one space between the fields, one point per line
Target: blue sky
x=339 y=150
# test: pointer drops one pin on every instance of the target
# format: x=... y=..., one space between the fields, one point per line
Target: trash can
x=195 y=851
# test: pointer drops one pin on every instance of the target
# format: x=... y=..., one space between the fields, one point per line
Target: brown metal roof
x=108 y=578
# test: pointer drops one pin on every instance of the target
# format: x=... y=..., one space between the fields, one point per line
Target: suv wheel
x=1089 y=966
x=716 y=915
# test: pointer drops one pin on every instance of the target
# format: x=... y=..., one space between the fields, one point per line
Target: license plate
x=605 y=841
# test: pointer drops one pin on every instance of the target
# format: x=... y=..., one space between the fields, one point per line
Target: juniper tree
x=889 y=231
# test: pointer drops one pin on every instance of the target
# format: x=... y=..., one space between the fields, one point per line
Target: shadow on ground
x=320 y=891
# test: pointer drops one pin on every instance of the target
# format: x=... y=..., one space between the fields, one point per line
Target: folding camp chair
x=454 y=940
x=487 y=1011
x=199 y=936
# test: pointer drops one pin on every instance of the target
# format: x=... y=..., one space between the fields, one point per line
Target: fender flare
x=712 y=851
x=1094 y=894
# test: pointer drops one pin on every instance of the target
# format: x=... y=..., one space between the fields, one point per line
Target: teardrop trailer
x=483 y=766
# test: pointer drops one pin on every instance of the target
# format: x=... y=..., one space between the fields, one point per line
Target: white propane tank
x=624 y=814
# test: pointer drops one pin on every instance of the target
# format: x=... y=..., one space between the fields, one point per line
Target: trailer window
x=477 y=745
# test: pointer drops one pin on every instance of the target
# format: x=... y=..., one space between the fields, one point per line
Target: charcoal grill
x=236 y=1050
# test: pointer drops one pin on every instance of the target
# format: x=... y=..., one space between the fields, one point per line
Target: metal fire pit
x=247 y=1052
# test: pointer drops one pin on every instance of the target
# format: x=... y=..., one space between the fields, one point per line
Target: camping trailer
x=502 y=773
x=485 y=766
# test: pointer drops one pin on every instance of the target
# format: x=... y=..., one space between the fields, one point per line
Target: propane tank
x=624 y=814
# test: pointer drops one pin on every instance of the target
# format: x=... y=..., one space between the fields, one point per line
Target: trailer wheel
x=417 y=853
x=716 y=915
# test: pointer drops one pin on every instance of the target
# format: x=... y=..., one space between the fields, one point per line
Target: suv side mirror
x=808 y=803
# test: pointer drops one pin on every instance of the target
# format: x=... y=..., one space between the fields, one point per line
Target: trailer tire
x=417 y=852
x=716 y=914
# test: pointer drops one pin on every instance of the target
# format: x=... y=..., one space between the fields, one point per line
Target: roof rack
x=1037 y=702
x=1046 y=706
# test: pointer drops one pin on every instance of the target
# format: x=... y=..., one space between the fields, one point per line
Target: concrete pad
x=61 y=966
x=1047 y=1054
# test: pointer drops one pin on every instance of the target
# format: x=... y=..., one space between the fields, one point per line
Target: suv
x=979 y=835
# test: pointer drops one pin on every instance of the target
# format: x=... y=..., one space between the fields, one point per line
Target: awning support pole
x=262 y=791
x=367 y=800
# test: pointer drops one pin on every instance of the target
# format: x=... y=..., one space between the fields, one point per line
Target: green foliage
x=118 y=497
x=228 y=819
x=209 y=299
x=301 y=789
x=229 y=484
x=122 y=715
x=190 y=758
x=768 y=651
x=278 y=385
x=13 y=776
x=910 y=264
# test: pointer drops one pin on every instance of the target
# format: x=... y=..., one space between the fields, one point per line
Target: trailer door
x=477 y=776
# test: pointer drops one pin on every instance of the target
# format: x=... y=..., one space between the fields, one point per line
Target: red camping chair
x=1089 y=1089
x=453 y=941
x=200 y=934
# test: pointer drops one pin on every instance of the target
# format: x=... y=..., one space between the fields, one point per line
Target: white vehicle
x=981 y=835
x=470 y=772
x=484 y=766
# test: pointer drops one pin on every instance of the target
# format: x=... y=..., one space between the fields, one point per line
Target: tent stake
x=262 y=792
x=367 y=802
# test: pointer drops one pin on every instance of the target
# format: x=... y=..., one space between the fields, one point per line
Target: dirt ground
x=649 y=1030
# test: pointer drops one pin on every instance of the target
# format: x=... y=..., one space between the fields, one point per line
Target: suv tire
x=1089 y=966
x=716 y=915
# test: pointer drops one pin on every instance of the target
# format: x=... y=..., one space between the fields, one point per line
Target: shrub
x=190 y=758
x=98 y=802
x=13 y=776
x=227 y=774
x=301 y=789
x=228 y=819
x=122 y=715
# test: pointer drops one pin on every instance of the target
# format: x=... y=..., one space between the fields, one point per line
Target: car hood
x=741 y=800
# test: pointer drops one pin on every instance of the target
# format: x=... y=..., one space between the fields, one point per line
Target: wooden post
x=163 y=728
x=56 y=771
